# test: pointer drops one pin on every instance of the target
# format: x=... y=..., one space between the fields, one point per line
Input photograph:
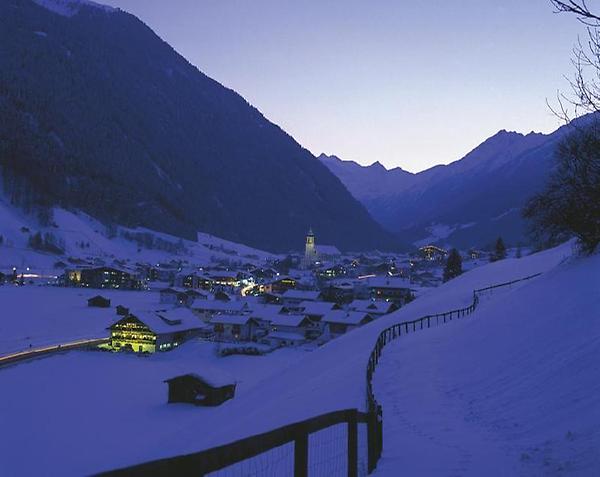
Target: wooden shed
x=194 y=389
x=99 y=301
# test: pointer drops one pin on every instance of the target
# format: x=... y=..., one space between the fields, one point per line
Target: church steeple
x=310 y=251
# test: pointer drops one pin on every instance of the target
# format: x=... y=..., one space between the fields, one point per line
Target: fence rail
x=217 y=458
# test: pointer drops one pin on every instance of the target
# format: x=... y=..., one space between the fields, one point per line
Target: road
x=38 y=352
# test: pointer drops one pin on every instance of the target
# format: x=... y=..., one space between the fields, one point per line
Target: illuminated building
x=431 y=252
x=148 y=332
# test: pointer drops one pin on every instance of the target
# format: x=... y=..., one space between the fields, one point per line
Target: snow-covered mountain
x=368 y=182
x=98 y=114
x=467 y=203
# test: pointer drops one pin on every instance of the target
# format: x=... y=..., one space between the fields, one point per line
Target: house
x=226 y=278
x=102 y=277
x=338 y=291
x=150 y=331
x=192 y=279
x=394 y=289
x=235 y=327
x=374 y=307
x=281 y=285
x=122 y=311
x=316 y=310
x=338 y=322
x=200 y=390
x=431 y=252
x=180 y=296
x=99 y=302
x=264 y=314
x=295 y=297
x=297 y=324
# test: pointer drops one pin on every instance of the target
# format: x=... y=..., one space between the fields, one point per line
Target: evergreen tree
x=453 y=265
x=499 y=250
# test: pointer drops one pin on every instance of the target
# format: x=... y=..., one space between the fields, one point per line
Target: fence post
x=352 y=445
x=371 y=446
x=301 y=455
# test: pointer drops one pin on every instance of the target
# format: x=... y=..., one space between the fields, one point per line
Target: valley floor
x=84 y=412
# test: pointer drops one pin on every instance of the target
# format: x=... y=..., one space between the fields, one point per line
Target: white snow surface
x=110 y=410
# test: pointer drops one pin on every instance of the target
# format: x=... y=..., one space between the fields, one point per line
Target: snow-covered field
x=74 y=413
x=112 y=392
x=41 y=316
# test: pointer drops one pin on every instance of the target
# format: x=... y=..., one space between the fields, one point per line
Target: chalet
x=374 y=307
x=180 y=296
x=235 y=327
x=393 y=289
x=291 y=330
x=200 y=390
x=338 y=322
x=433 y=253
x=102 y=277
x=149 y=331
x=226 y=278
x=281 y=285
x=99 y=302
x=295 y=297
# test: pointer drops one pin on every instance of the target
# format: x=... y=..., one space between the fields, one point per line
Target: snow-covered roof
x=266 y=312
x=310 y=295
x=316 y=307
x=288 y=320
x=211 y=375
x=370 y=306
x=162 y=322
x=346 y=317
x=231 y=319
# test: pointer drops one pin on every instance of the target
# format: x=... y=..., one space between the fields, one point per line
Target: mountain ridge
x=99 y=114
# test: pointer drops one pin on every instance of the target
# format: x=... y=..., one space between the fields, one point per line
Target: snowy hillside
x=330 y=378
x=84 y=237
x=514 y=391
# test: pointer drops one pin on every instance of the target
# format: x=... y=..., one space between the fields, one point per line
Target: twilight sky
x=410 y=84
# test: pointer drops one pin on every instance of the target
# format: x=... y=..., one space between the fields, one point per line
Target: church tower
x=310 y=251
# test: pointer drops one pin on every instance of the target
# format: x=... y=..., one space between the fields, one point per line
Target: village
x=249 y=306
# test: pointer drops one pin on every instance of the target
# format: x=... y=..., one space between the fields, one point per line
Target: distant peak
x=68 y=8
x=378 y=165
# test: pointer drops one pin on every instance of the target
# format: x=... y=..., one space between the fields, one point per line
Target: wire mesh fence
x=273 y=463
